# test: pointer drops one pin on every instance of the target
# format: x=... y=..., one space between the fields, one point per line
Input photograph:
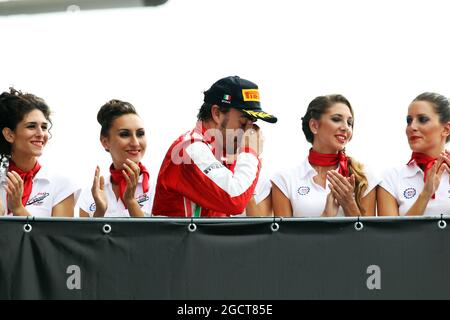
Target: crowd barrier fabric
x=240 y=258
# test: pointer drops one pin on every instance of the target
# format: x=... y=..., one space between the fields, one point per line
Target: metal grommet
x=192 y=227
x=27 y=228
x=358 y=226
x=106 y=228
x=274 y=227
x=442 y=224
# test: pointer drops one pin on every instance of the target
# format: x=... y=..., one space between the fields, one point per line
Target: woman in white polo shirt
x=327 y=183
x=126 y=191
x=422 y=186
x=27 y=188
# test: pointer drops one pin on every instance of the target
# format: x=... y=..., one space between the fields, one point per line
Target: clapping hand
x=131 y=174
x=331 y=205
x=434 y=175
x=14 y=191
x=98 y=193
x=343 y=190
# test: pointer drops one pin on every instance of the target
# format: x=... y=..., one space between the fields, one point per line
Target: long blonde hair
x=361 y=183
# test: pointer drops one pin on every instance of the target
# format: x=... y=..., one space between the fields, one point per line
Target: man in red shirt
x=212 y=170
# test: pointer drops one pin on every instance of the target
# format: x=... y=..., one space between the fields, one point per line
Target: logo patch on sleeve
x=212 y=167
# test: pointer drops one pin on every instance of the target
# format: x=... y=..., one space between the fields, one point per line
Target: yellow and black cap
x=238 y=93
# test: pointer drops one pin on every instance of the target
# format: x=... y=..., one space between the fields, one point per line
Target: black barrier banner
x=244 y=259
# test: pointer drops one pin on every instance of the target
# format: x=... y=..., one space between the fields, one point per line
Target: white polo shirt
x=261 y=192
x=262 y=189
x=308 y=198
x=48 y=190
x=116 y=208
x=405 y=183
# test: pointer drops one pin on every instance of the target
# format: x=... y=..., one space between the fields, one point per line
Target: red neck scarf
x=27 y=178
x=424 y=162
x=326 y=160
x=118 y=178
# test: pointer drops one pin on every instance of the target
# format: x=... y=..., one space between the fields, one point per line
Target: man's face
x=232 y=126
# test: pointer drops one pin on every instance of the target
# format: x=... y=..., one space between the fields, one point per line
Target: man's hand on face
x=253 y=139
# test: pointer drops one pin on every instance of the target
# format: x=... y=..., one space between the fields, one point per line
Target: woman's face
x=334 y=129
x=30 y=136
x=425 y=133
x=126 y=140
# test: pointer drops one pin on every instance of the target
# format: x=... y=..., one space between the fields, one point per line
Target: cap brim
x=259 y=114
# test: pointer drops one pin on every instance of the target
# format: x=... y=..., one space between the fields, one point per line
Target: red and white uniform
x=193 y=182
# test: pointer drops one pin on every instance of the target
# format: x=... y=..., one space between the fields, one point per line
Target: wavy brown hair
x=316 y=109
x=14 y=105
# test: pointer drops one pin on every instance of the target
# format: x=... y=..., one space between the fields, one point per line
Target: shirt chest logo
x=38 y=199
x=141 y=199
x=303 y=190
x=409 y=193
x=92 y=207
